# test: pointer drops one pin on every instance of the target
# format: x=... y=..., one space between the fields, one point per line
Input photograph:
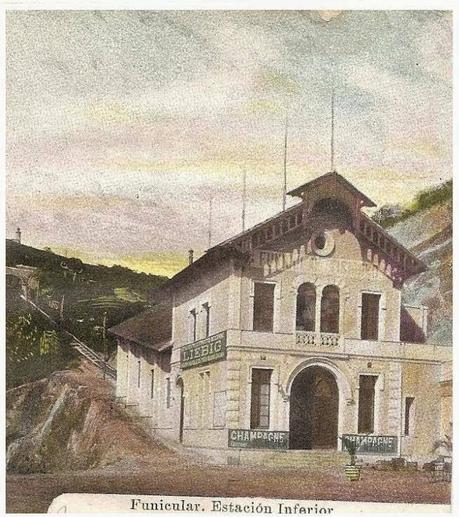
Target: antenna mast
x=284 y=190
x=210 y=221
x=244 y=196
x=332 y=143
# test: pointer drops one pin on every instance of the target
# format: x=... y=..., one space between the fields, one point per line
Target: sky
x=122 y=125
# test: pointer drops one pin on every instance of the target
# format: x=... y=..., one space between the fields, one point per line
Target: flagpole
x=284 y=190
x=210 y=222
x=244 y=196
x=332 y=143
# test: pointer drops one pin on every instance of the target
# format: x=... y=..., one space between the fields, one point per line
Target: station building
x=289 y=336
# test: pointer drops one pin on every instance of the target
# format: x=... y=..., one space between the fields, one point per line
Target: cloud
x=123 y=123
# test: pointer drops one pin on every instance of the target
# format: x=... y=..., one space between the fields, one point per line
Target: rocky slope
x=428 y=234
x=69 y=421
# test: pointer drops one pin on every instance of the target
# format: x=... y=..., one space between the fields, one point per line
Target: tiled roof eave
x=420 y=266
x=157 y=347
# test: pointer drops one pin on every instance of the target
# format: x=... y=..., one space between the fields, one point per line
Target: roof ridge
x=324 y=177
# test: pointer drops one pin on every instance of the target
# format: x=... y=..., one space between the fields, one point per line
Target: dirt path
x=34 y=492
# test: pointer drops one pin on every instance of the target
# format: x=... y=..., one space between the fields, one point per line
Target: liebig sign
x=205 y=351
x=371 y=444
x=253 y=439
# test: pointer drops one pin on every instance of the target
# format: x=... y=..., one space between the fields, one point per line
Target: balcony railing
x=318 y=338
x=337 y=345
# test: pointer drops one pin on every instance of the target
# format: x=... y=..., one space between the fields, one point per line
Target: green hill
x=105 y=276
x=425 y=227
x=390 y=215
x=427 y=232
x=83 y=299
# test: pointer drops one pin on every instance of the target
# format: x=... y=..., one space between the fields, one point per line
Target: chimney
x=18 y=235
x=190 y=256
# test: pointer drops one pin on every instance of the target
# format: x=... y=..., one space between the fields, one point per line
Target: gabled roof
x=333 y=178
x=152 y=328
x=234 y=246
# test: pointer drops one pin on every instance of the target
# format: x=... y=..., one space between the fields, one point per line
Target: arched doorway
x=314 y=407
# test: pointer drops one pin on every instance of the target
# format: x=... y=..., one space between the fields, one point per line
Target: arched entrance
x=314 y=407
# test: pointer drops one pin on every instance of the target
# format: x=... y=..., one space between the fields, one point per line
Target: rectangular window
x=165 y=360
x=260 y=398
x=152 y=384
x=370 y=316
x=193 y=325
x=409 y=415
x=263 y=307
x=168 y=392
x=206 y=308
x=367 y=404
x=139 y=369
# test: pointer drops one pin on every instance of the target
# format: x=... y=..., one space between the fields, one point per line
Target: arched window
x=306 y=307
x=329 y=310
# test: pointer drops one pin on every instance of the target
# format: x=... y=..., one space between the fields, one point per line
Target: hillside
x=69 y=421
x=104 y=277
x=83 y=299
x=390 y=215
x=427 y=232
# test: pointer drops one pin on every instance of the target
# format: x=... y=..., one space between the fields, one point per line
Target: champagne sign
x=205 y=351
x=257 y=439
x=373 y=444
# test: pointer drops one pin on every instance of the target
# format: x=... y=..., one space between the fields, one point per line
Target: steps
x=80 y=347
x=318 y=459
x=94 y=358
x=315 y=459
